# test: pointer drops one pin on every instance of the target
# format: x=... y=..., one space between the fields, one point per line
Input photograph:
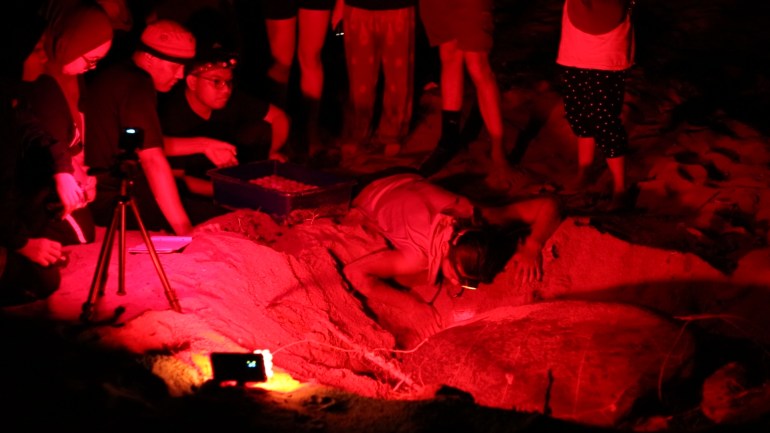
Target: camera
x=238 y=367
x=129 y=141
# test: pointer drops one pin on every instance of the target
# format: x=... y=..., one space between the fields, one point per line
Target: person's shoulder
x=119 y=73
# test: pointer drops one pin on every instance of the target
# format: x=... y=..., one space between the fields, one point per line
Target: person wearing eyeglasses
x=73 y=45
x=125 y=95
x=207 y=123
x=440 y=238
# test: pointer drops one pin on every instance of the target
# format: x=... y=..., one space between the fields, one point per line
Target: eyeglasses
x=90 y=63
x=217 y=82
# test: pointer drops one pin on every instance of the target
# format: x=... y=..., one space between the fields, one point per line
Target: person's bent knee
x=310 y=61
x=449 y=54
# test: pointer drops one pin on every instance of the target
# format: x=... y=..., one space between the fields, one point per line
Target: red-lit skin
x=304 y=34
x=87 y=61
x=454 y=62
x=202 y=93
x=164 y=73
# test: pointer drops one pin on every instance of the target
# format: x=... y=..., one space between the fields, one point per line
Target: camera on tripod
x=124 y=168
x=130 y=140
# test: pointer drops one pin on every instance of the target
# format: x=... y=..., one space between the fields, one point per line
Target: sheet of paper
x=163 y=244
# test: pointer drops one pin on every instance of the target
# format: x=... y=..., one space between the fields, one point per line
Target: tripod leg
x=102 y=266
x=122 y=251
x=170 y=295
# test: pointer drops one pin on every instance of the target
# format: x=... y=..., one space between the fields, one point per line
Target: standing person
x=463 y=31
x=299 y=27
x=207 y=123
x=74 y=45
x=379 y=36
x=124 y=95
x=595 y=52
x=444 y=239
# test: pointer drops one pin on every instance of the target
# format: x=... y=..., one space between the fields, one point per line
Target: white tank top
x=611 y=51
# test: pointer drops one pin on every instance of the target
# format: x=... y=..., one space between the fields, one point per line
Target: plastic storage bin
x=330 y=196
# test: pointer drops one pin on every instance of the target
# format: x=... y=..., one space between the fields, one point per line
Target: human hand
x=528 y=263
x=221 y=154
x=42 y=251
x=70 y=193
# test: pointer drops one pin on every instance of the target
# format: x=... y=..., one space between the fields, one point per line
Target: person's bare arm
x=367 y=274
x=220 y=153
x=280 y=123
x=163 y=186
x=543 y=216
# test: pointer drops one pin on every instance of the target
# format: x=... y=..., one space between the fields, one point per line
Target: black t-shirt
x=45 y=101
x=121 y=96
x=240 y=122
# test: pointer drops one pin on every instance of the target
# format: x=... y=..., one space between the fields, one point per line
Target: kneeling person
x=443 y=239
x=209 y=124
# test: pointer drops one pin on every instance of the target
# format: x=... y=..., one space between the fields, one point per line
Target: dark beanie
x=81 y=31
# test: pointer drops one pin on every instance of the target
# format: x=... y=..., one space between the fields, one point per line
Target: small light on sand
x=279 y=382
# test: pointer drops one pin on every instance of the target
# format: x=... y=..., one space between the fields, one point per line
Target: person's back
x=415 y=215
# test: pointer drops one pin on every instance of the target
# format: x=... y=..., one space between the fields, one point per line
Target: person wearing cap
x=440 y=238
x=74 y=44
x=125 y=95
x=207 y=123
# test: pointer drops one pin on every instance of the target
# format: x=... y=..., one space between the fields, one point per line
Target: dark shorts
x=593 y=103
x=469 y=22
x=285 y=9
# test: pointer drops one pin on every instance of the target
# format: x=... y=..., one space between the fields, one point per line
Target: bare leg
x=452 y=84
x=312 y=34
x=313 y=25
x=586 y=148
x=618 y=169
x=501 y=175
x=282 y=37
x=452 y=76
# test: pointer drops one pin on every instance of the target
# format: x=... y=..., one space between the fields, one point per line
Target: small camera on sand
x=238 y=367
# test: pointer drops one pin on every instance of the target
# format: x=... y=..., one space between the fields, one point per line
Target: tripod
x=118 y=222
